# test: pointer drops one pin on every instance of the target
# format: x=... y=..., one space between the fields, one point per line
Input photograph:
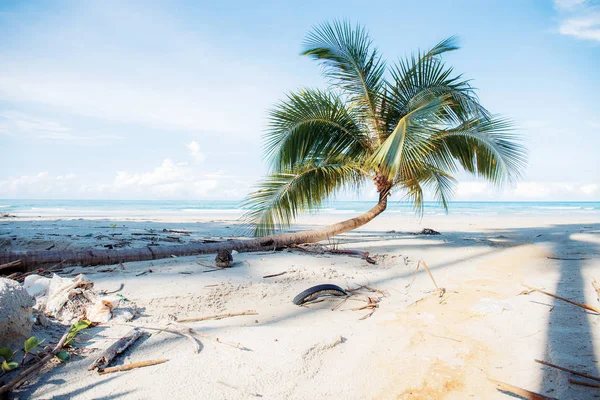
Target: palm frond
x=425 y=74
x=312 y=124
x=282 y=196
x=349 y=63
x=486 y=147
x=412 y=129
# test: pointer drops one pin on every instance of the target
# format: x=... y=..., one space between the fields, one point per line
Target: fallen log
x=115 y=349
x=134 y=365
x=33 y=258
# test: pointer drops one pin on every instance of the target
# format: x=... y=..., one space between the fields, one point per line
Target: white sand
x=415 y=346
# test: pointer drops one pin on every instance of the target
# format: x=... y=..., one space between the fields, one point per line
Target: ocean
x=191 y=208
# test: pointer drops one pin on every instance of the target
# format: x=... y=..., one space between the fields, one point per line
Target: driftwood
x=11 y=265
x=584 y=383
x=582 y=305
x=218 y=316
x=134 y=365
x=567 y=258
x=596 y=288
x=362 y=254
x=115 y=349
x=274 y=275
x=526 y=394
x=583 y=374
x=4 y=389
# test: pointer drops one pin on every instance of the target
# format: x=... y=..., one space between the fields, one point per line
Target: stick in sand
x=441 y=290
x=526 y=394
x=584 y=383
x=585 y=306
x=134 y=365
x=274 y=275
x=592 y=377
x=115 y=349
x=38 y=365
x=218 y=316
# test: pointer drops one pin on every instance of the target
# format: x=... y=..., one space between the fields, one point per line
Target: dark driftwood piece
x=362 y=254
x=526 y=394
x=12 y=264
x=592 y=377
x=115 y=349
x=38 y=365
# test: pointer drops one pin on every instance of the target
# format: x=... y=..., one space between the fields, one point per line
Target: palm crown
x=406 y=127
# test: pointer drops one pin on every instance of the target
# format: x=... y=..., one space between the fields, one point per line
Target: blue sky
x=167 y=100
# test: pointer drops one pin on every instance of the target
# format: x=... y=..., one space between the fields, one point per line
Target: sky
x=168 y=100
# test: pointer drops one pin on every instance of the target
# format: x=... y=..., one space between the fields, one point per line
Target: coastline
x=415 y=346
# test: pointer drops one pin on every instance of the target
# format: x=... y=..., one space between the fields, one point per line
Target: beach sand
x=416 y=345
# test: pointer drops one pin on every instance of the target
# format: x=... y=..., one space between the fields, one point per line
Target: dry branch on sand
x=582 y=305
x=218 y=316
x=584 y=383
x=583 y=374
x=134 y=365
x=4 y=389
x=115 y=349
x=526 y=394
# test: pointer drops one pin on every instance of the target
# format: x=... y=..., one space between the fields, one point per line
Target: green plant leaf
x=8 y=366
x=6 y=353
x=75 y=328
x=62 y=355
x=31 y=344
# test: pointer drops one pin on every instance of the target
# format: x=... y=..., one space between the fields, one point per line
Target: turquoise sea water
x=100 y=208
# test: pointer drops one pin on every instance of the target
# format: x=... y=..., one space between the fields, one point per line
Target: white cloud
x=15 y=123
x=589 y=189
x=585 y=27
x=579 y=19
x=194 y=149
x=569 y=4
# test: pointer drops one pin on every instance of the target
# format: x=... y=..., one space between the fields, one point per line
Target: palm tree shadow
x=569 y=337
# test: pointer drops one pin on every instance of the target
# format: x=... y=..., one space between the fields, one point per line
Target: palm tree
x=405 y=127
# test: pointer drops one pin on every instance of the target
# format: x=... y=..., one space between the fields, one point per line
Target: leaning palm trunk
x=33 y=259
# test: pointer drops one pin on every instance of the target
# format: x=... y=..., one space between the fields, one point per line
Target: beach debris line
x=582 y=305
x=218 y=316
x=515 y=390
x=317 y=291
x=115 y=349
x=572 y=371
x=320 y=249
x=127 y=367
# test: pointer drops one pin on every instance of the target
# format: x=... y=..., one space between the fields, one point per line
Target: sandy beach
x=416 y=345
